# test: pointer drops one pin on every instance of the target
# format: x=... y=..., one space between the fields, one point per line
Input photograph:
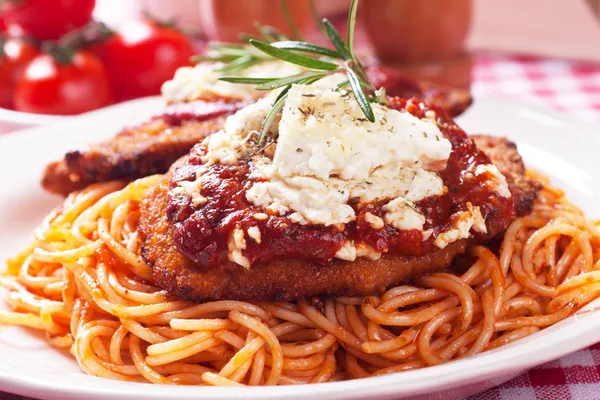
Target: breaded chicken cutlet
x=196 y=277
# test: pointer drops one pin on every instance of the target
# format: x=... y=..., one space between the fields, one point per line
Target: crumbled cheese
x=314 y=200
x=462 y=222
x=497 y=182
x=327 y=153
x=191 y=189
x=374 y=221
x=402 y=215
x=202 y=81
x=237 y=243
x=254 y=233
x=229 y=145
x=364 y=250
x=261 y=216
x=334 y=137
x=347 y=252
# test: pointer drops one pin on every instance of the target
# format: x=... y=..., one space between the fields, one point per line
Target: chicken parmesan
x=329 y=194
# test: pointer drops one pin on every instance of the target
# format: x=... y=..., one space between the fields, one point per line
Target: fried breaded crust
x=290 y=279
x=147 y=149
x=504 y=154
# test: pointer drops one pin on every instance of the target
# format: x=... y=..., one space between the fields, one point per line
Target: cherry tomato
x=46 y=19
x=2 y=25
x=16 y=54
x=141 y=56
x=49 y=87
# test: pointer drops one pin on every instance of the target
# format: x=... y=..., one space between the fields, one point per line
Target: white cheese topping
x=327 y=154
x=497 y=182
x=374 y=221
x=237 y=243
x=462 y=222
x=402 y=215
x=202 y=81
x=323 y=133
x=350 y=252
x=254 y=233
x=192 y=189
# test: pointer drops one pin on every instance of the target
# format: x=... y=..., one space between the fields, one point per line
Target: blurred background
x=532 y=50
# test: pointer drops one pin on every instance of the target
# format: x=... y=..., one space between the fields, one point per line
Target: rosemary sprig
x=318 y=60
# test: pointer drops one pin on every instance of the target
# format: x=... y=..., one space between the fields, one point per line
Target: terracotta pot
x=416 y=31
x=223 y=20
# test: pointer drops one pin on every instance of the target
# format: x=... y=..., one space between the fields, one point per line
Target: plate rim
x=415 y=381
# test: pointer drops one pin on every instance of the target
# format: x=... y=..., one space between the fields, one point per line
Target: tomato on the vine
x=141 y=56
x=15 y=54
x=46 y=19
x=51 y=87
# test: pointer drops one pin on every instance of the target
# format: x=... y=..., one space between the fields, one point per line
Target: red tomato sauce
x=202 y=233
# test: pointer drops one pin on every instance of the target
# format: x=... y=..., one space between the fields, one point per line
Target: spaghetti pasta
x=83 y=281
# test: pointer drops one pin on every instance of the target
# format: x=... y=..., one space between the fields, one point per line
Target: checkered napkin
x=568 y=86
x=573 y=88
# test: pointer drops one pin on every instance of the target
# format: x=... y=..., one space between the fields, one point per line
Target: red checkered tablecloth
x=575 y=89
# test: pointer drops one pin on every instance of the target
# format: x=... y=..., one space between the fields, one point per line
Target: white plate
x=565 y=149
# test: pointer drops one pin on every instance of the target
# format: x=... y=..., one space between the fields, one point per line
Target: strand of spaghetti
x=359 y=329
x=303 y=350
x=558 y=229
x=178 y=354
x=66 y=255
x=137 y=357
x=110 y=294
x=16 y=318
x=576 y=297
x=524 y=279
x=340 y=315
x=183 y=342
x=408 y=318
x=396 y=291
x=202 y=324
x=243 y=355
x=353 y=367
x=406 y=337
x=198 y=310
x=86 y=358
x=512 y=336
x=230 y=338
x=322 y=322
x=327 y=369
x=258 y=367
x=120 y=214
x=424 y=339
x=412 y=297
x=134 y=295
x=263 y=331
x=116 y=344
x=538 y=320
x=241 y=372
x=462 y=290
x=399 y=368
x=494 y=269
x=527 y=304
x=488 y=324
x=138 y=266
x=31 y=281
x=286 y=328
x=287 y=315
x=119 y=310
x=586 y=278
x=507 y=247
